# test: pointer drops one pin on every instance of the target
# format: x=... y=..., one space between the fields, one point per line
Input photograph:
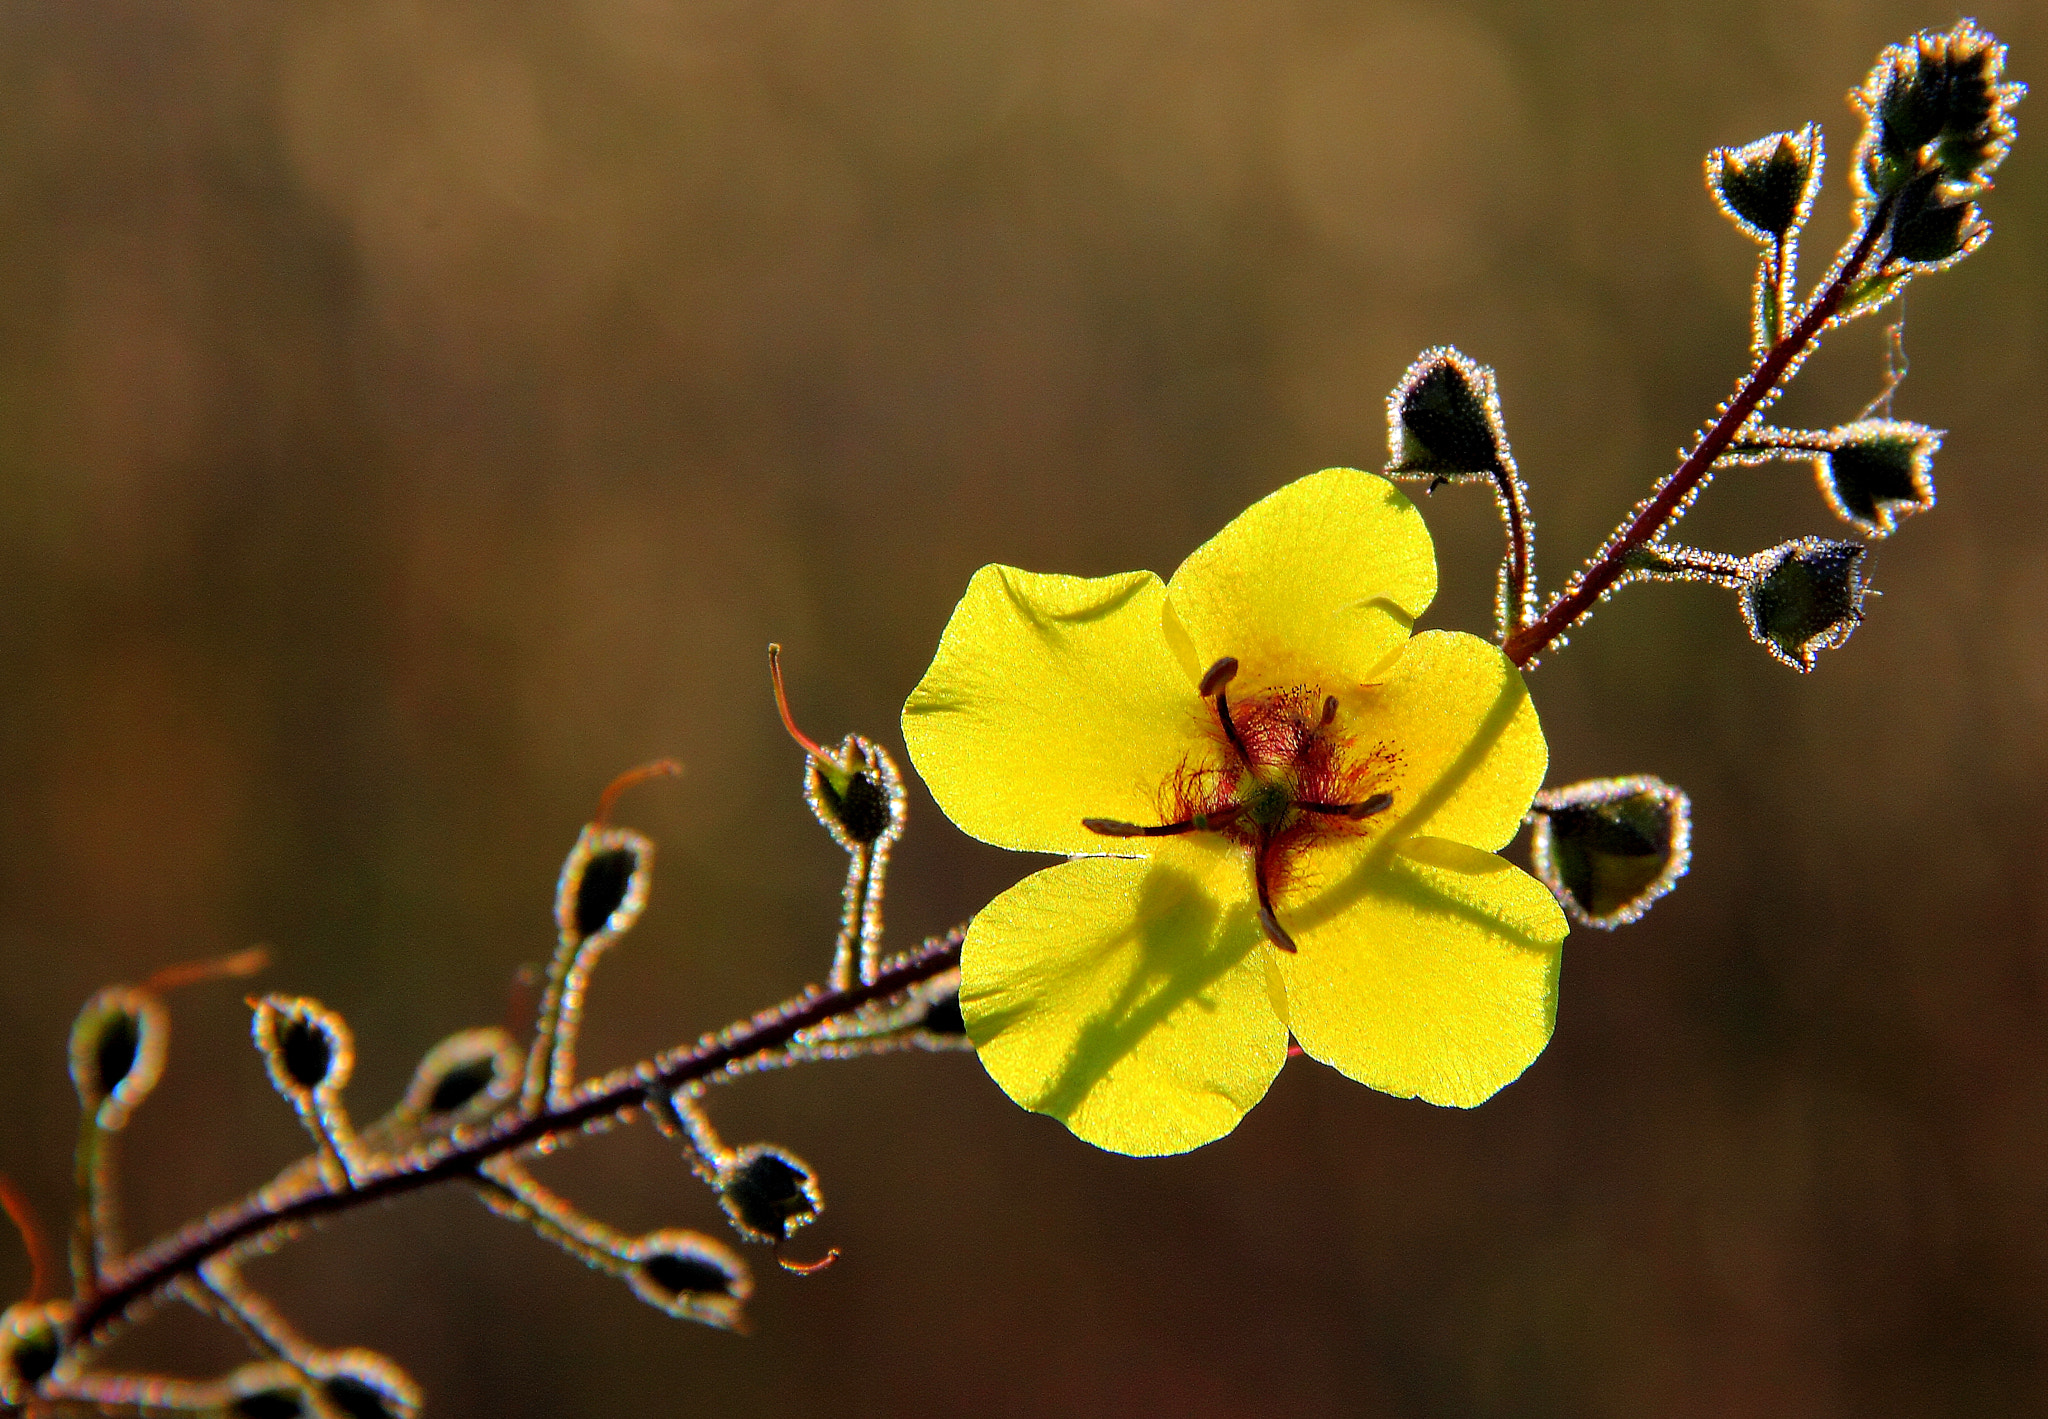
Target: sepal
x=1609 y=848
x=1444 y=421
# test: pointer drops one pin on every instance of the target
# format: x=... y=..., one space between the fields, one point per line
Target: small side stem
x=271 y=1212
x=1670 y=497
x=1519 y=590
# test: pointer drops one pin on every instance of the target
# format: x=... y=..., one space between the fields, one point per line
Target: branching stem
x=1663 y=506
x=270 y=1212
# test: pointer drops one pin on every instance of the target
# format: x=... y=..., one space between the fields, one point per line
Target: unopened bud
x=1766 y=188
x=604 y=882
x=267 y=1389
x=688 y=1276
x=1804 y=597
x=1443 y=419
x=117 y=1052
x=1930 y=231
x=31 y=1343
x=465 y=1076
x=306 y=1046
x=1935 y=104
x=768 y=1192
x=360 y=1384
x=1608 y=848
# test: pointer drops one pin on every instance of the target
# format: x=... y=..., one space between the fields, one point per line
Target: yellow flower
x=1281 y=809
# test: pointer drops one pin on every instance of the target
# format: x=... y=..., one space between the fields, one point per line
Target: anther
x=804 y=741
x=1217 y=676
x=1329 y=708
x=1378 y=803
x=1117 y=828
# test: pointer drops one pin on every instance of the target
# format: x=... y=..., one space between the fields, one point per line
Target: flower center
x=1287 y=780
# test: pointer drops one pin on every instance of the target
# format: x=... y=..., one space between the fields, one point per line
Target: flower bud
x=688 y=1276
x=1804 y=597
x=1876 y=471
x=1608 y=848
x=31 y=1343
x=117 y=1052
x=1443 y=419
x=360 y=1384
x=1935 y=104
x=768 y=1192
x=266 y=1389
x=1930 y=232
x=1766 y=188
x=306 y=1046
x=603 y=887
x=465 y=1076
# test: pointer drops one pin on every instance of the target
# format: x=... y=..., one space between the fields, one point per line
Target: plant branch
x=268 y=1212
x=1664 y=505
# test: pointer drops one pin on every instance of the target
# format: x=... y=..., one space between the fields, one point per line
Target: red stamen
x=660 y=768
x=1269 y=922
x=804 y=741
x=23 y=1215
x=806 y=1268
x=241 y=963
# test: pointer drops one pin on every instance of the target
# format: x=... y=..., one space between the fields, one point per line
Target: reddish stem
x=1670 y=497
x=269 y=1213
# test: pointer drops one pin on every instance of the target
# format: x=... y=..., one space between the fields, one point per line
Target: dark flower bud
x=117 y=1052
x=1804 y=597
x=362 y=1385
x=768 y=1192
x=688 y=1276
x=31 y=1343
x=306 y=1046
x=858 y=802
x=1876 y=471
x=943 y=1018
x=603 y=887
x=1766 y=188
x=465 y=1076
x=1935 y=104
x=1608 y=848
x=1443 y=419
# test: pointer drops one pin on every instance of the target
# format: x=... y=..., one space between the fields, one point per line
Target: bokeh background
x=413 y=412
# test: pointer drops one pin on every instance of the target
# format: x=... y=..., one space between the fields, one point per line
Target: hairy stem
x=268 y=1214
x=1664 y=505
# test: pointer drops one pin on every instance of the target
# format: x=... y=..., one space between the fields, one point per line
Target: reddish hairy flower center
x=1286 y=780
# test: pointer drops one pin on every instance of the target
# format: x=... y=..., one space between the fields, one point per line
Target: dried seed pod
x=1609 y=848
x=117 y=1052
x=689 y=1276
x=768 y=1192
x=1876 y=471
x=31 y=1344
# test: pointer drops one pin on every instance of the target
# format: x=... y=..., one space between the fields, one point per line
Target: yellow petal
x=1129 y=998
x=1431 y=971
x=1468 y=751
x=1052 y=699
x=1320 y=580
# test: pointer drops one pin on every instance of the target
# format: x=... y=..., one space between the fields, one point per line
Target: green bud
x=31 y=1344
x=1935 y=105
x=1929 y=232
x=1766 y=188
x=1444 y=421
x=768 y=1192
x=1877 y=471
x=1608 y=848
x=117 y=1052
x=1804 y=597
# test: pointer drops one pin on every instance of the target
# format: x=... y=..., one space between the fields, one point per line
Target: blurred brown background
x=413 y=412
